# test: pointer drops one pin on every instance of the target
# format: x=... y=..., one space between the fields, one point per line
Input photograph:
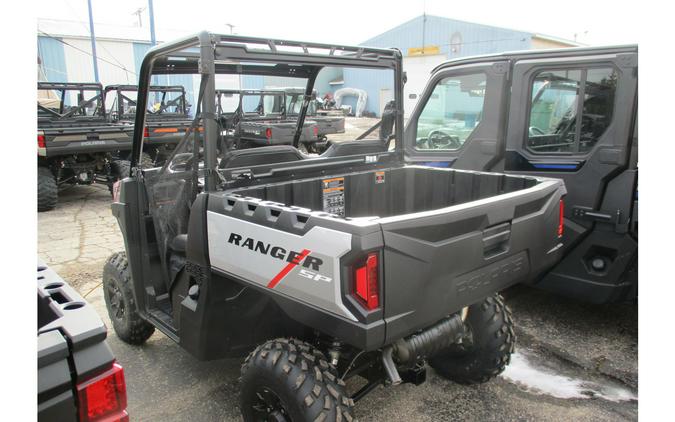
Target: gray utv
x=319 y=269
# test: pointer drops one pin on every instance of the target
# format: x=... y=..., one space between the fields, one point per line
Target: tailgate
x=166 y=132
x=437 y=262
x=65 y=141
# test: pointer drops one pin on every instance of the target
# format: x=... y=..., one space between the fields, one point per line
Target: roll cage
x=119 y=90
x=209 y=54
x=250 y=92
x=80 y=87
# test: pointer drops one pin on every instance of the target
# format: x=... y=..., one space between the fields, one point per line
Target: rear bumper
x=55 y=149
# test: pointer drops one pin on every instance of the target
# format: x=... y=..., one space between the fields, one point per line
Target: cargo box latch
x=496 y=240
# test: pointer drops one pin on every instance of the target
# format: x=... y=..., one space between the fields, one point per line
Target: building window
x=555 y=124
x=452 y=112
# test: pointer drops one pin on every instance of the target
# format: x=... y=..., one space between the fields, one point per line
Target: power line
x=85 y=52
x=72 y=9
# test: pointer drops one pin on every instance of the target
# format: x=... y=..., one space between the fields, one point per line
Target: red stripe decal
x=287 y=269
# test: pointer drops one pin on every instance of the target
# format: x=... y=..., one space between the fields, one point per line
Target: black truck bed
x=448 y=238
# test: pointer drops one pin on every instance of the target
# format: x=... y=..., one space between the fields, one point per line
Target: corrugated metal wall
x=187 y=81
x=454 y=39
x=474 y=38
x=52 y=58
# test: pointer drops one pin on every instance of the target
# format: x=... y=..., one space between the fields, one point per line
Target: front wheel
x=289 y=380
x=485 y=349
x=119 y=299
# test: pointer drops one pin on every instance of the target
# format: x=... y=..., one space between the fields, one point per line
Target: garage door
x=418 y=69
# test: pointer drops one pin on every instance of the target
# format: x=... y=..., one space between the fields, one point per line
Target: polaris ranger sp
x=319 y=269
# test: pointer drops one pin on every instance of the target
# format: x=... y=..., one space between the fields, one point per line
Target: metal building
x=427 y=41
x=64 y=54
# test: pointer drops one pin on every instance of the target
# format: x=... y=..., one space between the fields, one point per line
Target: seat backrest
x=341 y=149
x=258 y=156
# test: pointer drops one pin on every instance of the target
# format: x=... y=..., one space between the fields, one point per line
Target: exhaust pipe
x=430 y=341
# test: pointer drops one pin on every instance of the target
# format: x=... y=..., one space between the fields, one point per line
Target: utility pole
x=138 y=13
x=151 y=11
x=93 y=41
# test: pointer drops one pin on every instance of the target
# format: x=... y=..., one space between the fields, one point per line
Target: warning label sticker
x=334 y=195
x=379 y=177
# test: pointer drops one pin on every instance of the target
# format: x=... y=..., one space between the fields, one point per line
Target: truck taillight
x=104 y=397
x=366 y=286
x=561 y=221
x=41 y=141
x=146 y=132
x=268 y=133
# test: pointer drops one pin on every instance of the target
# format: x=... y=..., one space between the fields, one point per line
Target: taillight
x=146 y=132
x=268 y=133
x=366 y=286
x=316 y=131
x=41 y=141
x=561 y=221
x=104 y=397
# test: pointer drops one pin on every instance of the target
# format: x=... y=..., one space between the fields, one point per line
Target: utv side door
x=458 y=122
x=572 y=117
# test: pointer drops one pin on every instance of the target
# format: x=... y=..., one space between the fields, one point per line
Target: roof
x=558 y=40
x=526 y=54
x=451 y=21
x=79 y=29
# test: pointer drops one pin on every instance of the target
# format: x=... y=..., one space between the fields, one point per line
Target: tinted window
x=555 y=124
x=451 y=113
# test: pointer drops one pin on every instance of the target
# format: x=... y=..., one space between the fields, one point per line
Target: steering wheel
x=535 y=131
x=181 y=162
x=437 y=139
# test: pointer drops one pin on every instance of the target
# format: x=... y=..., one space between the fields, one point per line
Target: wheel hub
x=116 y=302
x=268 y=406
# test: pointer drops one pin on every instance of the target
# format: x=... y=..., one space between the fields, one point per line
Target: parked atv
x=320 y=269
x=76 y=144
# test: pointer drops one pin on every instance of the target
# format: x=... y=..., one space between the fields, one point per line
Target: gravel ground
x=585 y=353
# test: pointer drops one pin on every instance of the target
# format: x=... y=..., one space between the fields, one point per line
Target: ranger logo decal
x=293 y=258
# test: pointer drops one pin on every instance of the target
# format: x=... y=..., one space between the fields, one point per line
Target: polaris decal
x=305 y=268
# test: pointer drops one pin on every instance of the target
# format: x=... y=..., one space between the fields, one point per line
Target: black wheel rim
x=267 y=406
x=115 y=301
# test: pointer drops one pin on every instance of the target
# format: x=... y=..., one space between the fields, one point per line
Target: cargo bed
x=448 y=237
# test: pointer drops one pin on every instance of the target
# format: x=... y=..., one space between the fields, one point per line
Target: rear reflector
x=561 y=221
x=166 y=130
x=268 y=133
x=41 y=141
x=366 y=283
x=104 y=398
x=316 y=131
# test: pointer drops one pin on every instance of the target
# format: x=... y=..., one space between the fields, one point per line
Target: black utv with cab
x=320 y=269
x=565 y=113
